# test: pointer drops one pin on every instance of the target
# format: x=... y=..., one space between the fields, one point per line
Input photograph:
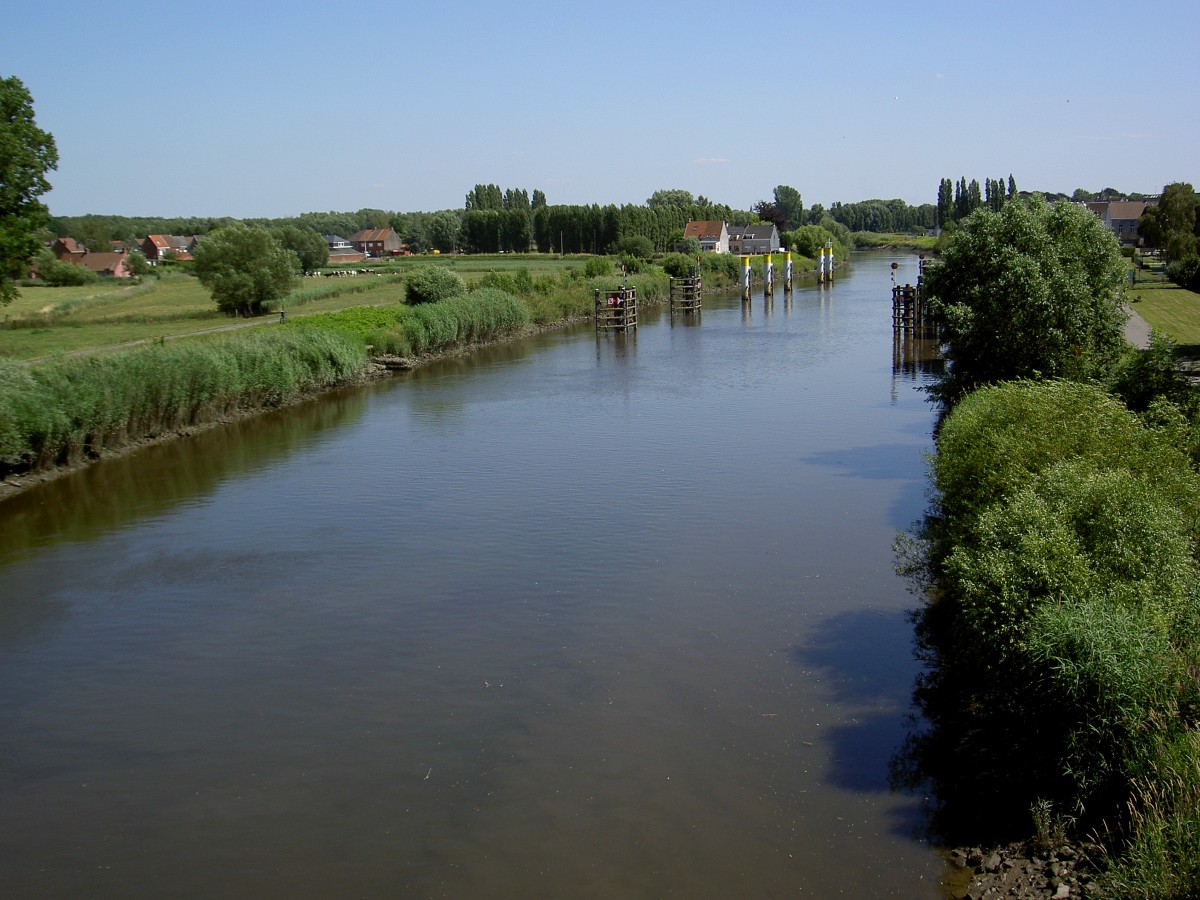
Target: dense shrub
x=431 y=284
x=724 y=265
x=678 y=265
x=633 y=264
x=1185 y=272
x=1063 y=612
x=598 y=266
x=519 y=283
x=636 y=245
x=57 y=273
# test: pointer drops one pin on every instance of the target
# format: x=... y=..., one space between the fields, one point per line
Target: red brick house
x=376 y=242
x=67 y=249
x=106 y=263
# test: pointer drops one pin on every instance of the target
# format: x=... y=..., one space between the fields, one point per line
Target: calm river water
x=583 y=616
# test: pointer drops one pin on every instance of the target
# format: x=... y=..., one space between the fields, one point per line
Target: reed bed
x=72 y=408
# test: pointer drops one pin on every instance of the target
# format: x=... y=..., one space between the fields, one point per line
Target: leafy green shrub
x=1064 y=606
x=57 y=273
x=431 y=284
x=633 y=265
x=635 y=245
x=1000 y=436
x=724 y=265
x=597 y=267
x=1185 y=272
x=677 y=265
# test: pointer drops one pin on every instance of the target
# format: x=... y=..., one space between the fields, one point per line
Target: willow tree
x=1031 y=291
x=245 y=269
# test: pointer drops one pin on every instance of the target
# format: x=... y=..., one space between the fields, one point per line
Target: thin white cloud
x=710 y=161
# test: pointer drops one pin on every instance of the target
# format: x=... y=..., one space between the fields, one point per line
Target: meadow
x=48 y=321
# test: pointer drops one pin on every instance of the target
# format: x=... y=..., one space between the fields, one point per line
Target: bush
x=56 y=273
x=1185 y=272
x=1064 y=608
x=1000 y=436
x=636 y=245
x=432 y=284
x=722 y=264
x=677 y=265
x=633 y=264
x=598 y=267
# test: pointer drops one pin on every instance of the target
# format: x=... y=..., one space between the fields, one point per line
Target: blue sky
x=271 y=109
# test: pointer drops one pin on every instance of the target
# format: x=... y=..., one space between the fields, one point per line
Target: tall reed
x=64 y=410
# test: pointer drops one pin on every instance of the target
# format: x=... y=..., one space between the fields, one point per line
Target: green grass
x=878 y=240
x=45 y=322
x=1168 y=308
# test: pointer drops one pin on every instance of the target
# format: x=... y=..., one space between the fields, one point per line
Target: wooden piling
x=686 y=294
x=616 y=310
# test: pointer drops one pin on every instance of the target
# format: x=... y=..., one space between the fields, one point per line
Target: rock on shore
x=1019 y=870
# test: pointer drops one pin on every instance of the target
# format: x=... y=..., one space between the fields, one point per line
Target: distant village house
x=113 y=263
x=157 y=247
x=713 y=236
x=341 y=250
x=1121 y=217
x=753 y=240
x=377 y=242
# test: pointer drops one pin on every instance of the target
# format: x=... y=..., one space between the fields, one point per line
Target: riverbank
x=374 y=368
x=63 y=414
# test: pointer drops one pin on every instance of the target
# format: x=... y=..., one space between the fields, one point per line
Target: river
x=580 y=616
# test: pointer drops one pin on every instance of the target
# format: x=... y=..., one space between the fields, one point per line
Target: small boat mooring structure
x=687 y=293
x=616 y=310
x=916 y=345
x=910 y=308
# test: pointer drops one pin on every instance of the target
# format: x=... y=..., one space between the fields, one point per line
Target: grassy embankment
x=871 y=240
x=65 y=409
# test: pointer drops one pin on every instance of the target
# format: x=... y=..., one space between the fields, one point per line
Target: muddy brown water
x=583 y=616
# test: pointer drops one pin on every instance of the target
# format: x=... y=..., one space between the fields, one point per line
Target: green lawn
x=1168 y=308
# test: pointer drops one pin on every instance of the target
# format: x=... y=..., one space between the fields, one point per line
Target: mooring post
x=787 y=273
x=745 y=278
x=768 y=274
x=829 y=247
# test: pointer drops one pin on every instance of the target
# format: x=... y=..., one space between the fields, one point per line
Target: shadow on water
x=866 y=669
x=878 y=461
x=114 y=492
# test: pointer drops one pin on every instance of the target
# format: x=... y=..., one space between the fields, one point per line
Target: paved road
x=1137 y=332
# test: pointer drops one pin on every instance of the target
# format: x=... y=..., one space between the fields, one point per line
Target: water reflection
x=112 y=492
x=582 y=616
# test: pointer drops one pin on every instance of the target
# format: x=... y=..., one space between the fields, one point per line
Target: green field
x=46 y=321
